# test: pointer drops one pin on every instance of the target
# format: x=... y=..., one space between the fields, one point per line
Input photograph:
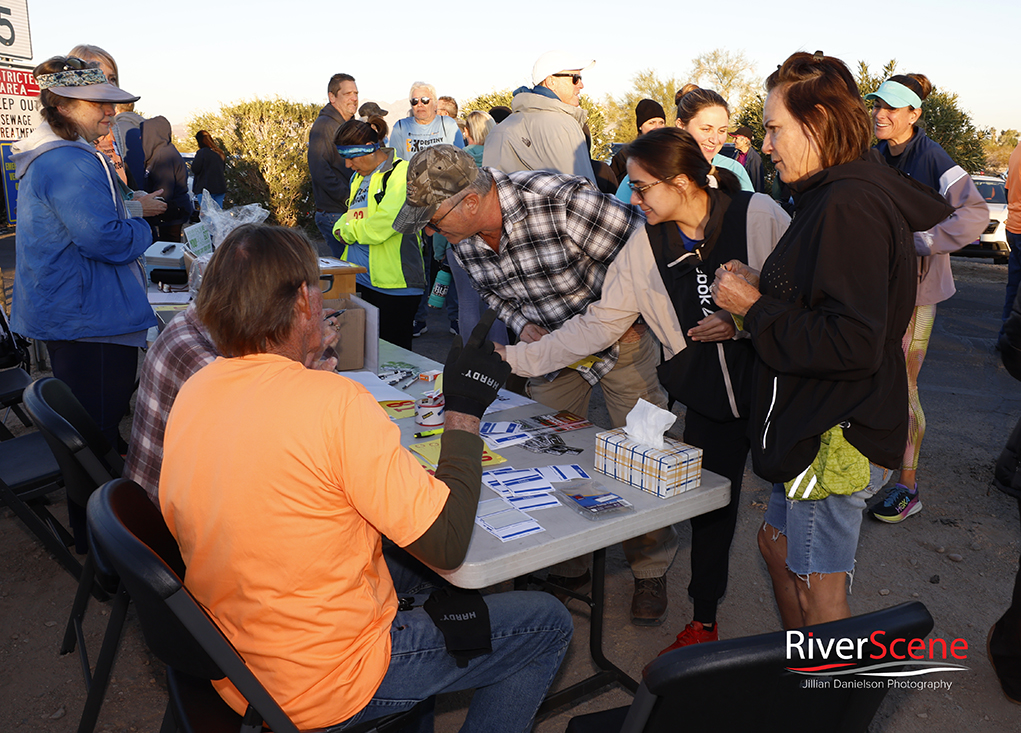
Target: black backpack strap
x=386 y=177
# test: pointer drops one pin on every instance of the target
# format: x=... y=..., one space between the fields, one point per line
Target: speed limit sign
x=15 y=38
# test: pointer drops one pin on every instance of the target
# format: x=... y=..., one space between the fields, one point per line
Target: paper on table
x=556 y=474
x=503 y=521
x=503 y=441
x=158 y=298
x=430 y=451
x=505 y=400
x=380 y=390
x=398 y=410
x=533 y=503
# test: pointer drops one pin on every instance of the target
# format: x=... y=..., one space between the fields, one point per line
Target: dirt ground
x=958 y=556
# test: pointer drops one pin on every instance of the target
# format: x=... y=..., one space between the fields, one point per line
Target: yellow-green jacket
x=395 y=259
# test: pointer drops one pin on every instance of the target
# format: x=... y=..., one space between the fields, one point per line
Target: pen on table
x=429 y=433
x=411 y=380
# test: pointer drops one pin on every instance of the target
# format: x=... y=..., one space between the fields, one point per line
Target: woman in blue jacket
x=896 y=109
x=80 y=287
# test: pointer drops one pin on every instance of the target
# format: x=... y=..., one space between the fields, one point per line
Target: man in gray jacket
x=331 y=178
x=544 y=131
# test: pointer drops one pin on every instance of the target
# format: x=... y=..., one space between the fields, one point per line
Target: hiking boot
x=648 y=604
x=576 y=584
x=899 y=503
x=694 y=633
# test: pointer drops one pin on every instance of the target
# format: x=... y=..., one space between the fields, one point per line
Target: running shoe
x=694 y=633
x=899 y=503
x=418 y=329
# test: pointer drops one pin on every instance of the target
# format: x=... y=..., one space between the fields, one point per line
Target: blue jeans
x=530 y=635
x=822 y=534
x=1013 y=275
x=325 y=221
x=470 y=305
x=217 y=197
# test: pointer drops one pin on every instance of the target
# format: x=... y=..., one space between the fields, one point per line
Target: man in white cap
x=544 y=130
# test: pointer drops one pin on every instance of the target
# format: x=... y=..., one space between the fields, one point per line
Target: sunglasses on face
x=575 y=78
x=424 y=100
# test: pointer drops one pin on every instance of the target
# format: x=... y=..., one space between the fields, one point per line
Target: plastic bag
x=198 y=269
x=221 y=222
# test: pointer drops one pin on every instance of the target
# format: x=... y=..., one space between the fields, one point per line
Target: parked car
x=993 y=241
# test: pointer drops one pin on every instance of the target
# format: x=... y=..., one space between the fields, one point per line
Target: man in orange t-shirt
x=1013 y=227
x=278 y=483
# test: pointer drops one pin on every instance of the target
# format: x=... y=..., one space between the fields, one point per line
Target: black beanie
x=646 y=110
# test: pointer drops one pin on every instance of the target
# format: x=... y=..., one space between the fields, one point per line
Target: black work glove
x=474 y=373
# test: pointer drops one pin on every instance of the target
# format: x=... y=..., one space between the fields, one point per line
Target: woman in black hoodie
x=165 y=169
x=829 y=414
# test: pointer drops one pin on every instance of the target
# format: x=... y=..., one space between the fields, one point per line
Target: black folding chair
x=12 y=387
x=128 y=529
x=744 y=684
x=28 y=472
x=86 y=461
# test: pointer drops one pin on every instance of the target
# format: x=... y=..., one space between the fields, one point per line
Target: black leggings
x=725 y=449
x=101 y=376
x=396 y=315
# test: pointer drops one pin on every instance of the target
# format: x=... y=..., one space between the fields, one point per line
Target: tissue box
x=676 y=468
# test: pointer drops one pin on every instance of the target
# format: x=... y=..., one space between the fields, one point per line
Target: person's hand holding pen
x=331 y=336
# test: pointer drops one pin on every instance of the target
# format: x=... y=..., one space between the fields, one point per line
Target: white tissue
x=646 y=424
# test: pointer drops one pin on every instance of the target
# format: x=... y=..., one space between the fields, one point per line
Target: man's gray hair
x=481 y=185
x=423 y=85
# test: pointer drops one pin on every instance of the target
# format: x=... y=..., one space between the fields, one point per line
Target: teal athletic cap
x=896 y=95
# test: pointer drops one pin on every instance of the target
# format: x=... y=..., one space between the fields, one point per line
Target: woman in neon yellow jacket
x=395 y=280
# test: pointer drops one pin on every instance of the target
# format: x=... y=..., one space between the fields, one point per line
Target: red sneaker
x=694 y=633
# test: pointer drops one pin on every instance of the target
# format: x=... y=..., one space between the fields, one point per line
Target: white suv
x=993 y=240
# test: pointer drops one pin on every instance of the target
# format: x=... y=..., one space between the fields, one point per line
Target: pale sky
x=188 y=57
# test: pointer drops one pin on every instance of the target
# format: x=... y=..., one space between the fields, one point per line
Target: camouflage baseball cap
x=434 y=175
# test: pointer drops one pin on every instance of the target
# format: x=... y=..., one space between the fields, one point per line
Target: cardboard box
x=667 y=472
x=337 y=277
x=358 y=347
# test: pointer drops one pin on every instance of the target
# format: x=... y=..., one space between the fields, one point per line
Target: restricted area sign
x=19 y=115
x=15 y=37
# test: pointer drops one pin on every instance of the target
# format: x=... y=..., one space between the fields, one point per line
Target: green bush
x=266 y=142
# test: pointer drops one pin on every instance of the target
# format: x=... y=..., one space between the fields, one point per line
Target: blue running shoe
x=899 y=503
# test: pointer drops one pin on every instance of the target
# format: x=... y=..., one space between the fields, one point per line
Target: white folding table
x=567 y=534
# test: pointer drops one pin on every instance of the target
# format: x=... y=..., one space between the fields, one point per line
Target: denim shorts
x=822 y=535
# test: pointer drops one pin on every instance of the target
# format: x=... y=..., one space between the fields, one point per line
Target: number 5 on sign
x=15 y=35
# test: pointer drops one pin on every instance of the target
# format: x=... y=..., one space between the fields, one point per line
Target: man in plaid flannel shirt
x=182 y=349
x=537 y=245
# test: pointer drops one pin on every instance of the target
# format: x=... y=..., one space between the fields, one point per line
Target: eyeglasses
x=640 y=190
x=575 y=78
x=435 y=225
x=415 y=100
